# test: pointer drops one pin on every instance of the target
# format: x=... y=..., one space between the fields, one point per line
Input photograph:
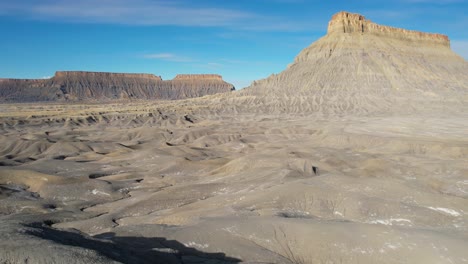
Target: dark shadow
x=130 y=249
x=60 y=157
x=188 y=118
x=18 y=191
x=315 y=170
x=98 y=175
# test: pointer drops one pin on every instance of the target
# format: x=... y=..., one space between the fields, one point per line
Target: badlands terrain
x=79 y=86
x=356 y=153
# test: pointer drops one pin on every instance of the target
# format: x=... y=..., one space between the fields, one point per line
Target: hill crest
x=345 y=22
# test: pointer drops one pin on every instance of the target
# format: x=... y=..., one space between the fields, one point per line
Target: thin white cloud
x=138 y=12
x=146 y=12
x=460 y=47
x=167 y=57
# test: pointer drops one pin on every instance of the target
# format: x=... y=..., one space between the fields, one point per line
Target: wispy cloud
x=145 y=12
x=140 y=12
x=167 y=57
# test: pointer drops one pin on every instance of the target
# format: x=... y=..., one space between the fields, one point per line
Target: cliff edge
x=345 y=22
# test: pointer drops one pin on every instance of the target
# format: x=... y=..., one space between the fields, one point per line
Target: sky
x=243 y=40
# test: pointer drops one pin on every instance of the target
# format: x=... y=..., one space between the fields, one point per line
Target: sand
x=271 y=188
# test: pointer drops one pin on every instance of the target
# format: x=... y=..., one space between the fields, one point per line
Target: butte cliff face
x=362 y=66
x=345 y=22
x=101 y=86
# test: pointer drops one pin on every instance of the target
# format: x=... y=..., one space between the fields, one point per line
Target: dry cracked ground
x=138 y=183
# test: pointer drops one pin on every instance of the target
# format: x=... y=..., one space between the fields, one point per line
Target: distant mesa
x=106 y=86
x=198 y=77
x=85 y=74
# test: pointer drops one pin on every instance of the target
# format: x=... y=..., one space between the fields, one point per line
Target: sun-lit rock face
x=103 y=75
x=344 y=22
x=198 y=77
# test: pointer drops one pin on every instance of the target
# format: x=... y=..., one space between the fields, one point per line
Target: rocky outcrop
x=103 y=86
x=32 y=90
x=344 y=22
x=206 y=83
x=198 y=77
x=102 y=75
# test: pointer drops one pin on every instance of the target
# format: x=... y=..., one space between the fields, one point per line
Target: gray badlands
x=103 y=86
x=356 y=153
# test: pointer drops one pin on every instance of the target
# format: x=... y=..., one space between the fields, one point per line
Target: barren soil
x=157 y=183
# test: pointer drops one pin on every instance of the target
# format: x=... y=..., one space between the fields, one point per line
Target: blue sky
x=243 y=40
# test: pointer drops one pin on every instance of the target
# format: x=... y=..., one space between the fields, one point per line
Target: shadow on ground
x=130 y=249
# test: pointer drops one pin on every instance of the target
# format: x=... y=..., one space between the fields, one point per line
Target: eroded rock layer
x=102 y=86
x=344 y=22
x=360 y=66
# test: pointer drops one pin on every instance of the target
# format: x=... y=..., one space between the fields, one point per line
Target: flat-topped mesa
x=344 y=22
x=199 y=77
x=106 y=86
x=22 y=80
x=85 y=74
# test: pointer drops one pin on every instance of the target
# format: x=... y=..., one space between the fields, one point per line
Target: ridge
x=198 y=77
x=346 y=22
x=108 y=86
x=65 y=74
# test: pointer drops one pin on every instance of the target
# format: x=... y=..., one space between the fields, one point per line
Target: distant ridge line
x=63 y=74
x=107 y=86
